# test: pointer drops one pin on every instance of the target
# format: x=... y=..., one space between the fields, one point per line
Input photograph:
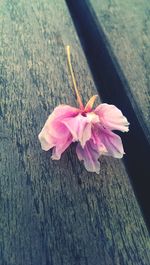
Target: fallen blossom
x=92 y=129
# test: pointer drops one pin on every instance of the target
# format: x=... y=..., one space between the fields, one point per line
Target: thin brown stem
x=73 y=78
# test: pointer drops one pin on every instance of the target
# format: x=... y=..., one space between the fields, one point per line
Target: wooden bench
x=55 y=212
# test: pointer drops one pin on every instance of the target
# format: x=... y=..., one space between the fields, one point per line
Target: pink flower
x=91 y=129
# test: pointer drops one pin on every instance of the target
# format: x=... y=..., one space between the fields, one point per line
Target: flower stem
x=73 y=78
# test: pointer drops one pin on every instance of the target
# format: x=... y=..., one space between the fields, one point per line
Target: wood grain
x=55 y=212
x=126 y=25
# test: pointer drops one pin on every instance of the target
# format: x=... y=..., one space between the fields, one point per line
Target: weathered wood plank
x=126 y=25
x=54 y=212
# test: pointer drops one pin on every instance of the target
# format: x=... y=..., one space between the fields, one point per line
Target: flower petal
x=54 y=124
x=63 y=111
x=60 y=148
x=89 y=154
x=112 y=118
x=96 y=137
x=112 y=143
x=47 y=141
x=54 y=132
x=79 y=128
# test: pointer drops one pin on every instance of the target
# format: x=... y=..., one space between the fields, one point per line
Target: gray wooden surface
x=126 y=25
x=55 y=212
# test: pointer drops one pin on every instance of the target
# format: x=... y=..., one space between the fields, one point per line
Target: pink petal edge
x=112 y=118
x=90 y=155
